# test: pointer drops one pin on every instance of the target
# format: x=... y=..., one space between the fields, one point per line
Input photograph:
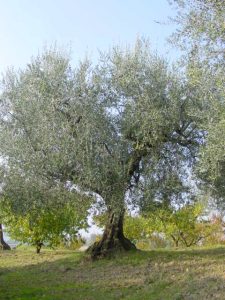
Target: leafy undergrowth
x=67 y=275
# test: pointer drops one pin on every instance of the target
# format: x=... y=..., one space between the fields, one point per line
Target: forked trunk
x=3 y=244
x=175 y=240
x=113 y=239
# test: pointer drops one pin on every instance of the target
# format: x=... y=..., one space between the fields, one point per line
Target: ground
x=67 y=275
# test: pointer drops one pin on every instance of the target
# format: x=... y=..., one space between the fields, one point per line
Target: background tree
x=38 y=214
x=101 y=128
x=50 y=226
x=183 y=226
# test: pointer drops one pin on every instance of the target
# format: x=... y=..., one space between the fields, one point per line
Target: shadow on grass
x=172 y=254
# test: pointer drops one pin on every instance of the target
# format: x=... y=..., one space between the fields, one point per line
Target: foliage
x=201 y=28
x=201 y=33
x=135 y=228
x=183 y=226
x=49 y=226
x=212 y=164
x=218 y=235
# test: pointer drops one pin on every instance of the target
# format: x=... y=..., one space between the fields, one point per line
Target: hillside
x=67 y=275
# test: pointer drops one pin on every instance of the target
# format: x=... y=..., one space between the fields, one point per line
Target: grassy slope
x=188 y=274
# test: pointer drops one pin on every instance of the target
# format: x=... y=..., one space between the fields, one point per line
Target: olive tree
x=102 y=128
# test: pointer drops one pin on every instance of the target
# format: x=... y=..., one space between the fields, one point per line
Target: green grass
x=67 y=275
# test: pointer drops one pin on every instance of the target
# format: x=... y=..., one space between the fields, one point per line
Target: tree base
x=105 y=248
x=4 y=246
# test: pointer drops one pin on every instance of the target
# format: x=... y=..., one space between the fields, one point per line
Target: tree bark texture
x=3 y=244
x=113 y=239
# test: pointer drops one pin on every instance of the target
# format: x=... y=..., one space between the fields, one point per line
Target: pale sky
x=26 y=26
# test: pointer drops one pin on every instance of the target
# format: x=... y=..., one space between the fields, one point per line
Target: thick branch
x=134 y=162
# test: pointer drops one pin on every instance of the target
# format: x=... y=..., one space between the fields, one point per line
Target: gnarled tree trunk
x=113 y=239
x=3 y=244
